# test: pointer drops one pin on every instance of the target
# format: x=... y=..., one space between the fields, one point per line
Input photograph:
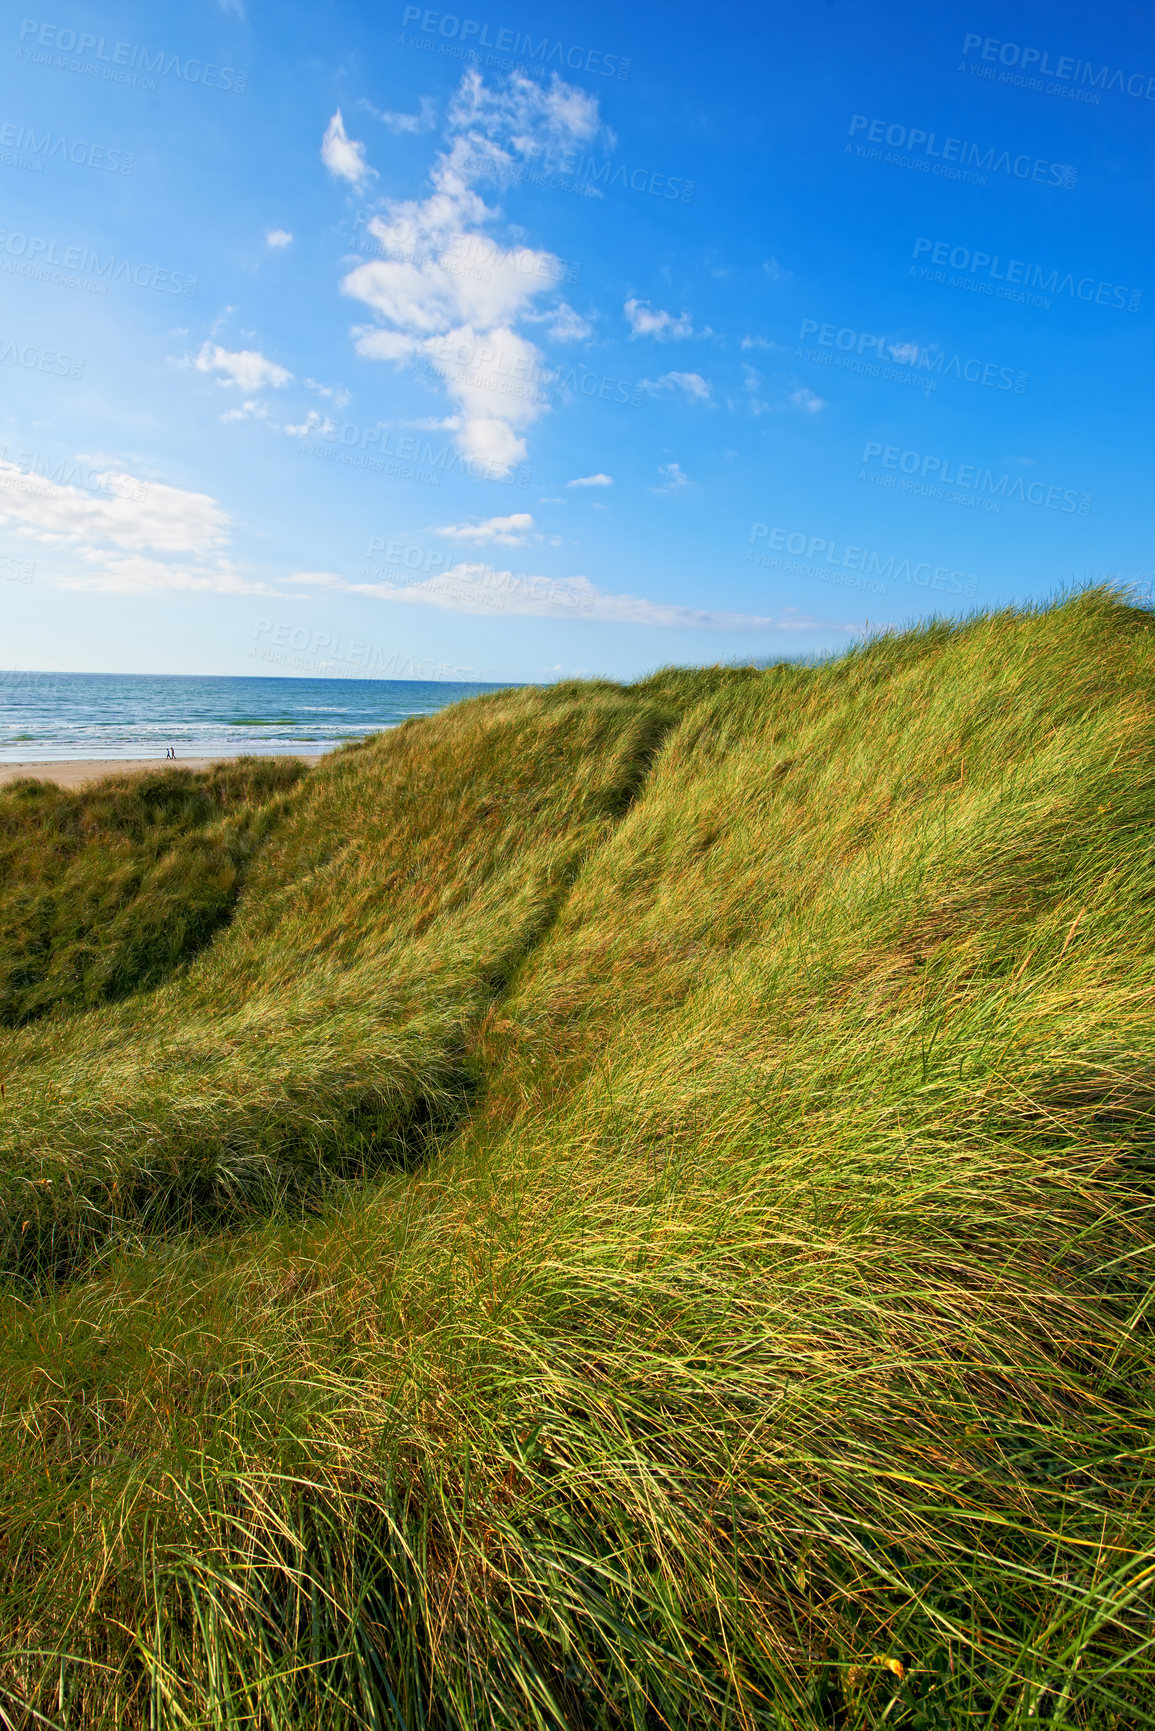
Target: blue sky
x=526 y=341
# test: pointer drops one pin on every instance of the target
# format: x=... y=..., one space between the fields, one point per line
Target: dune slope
x=722 y=1110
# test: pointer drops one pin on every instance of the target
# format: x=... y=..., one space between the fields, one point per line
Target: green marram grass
x=641 y=1217
x=109 y=891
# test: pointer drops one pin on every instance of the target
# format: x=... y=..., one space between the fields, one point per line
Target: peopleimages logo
x=321 y=652
x=471 y=33
x=23 y=138
x=16 y=570
x=972 y=477
x=571 y=171
x=32 y=255
x=1038 y=60
x=907 y=354
x=856 y=559
x=41 y=476
x=408 y=458
x=961 y=153
x=47 y=44
x=40 y=360
x=1033 y=279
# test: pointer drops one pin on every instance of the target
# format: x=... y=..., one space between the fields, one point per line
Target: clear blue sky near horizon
x=525 y=341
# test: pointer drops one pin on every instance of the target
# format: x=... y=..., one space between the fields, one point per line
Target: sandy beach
x=78 y=772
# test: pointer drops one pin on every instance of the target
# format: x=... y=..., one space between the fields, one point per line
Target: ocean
x=56 y=716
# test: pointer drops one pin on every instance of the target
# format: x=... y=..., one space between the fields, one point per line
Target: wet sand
x=78 y=772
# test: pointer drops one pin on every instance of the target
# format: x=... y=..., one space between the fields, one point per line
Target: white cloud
x=693 y=384
x=336 y=394
x=343 y=156
x=278 y=237
x=592 y=481
x=568 y=326
x=318 y=579
x=774 y=270
x=444 y=296
x=423 y=121
x=312 y=423
x=645 y=321
x=137 y=574
x=128 y=486
x=129 y=537
x=481 y=590
x=246 y=368
x=123 y=511
x=512 y=531
x=760 y=343
x=250 y=410
x=497 y=379
x=518 y=118
x=801 y=397
x=752 y=385
x=378 y=345
x=675 y=480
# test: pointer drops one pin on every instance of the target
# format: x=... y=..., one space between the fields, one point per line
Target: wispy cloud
x=752 y=385
x=314 y=422
x=124 y=535
x=801 y=398
x=423 y=121
x=647 y=321
x=335 y=394
x=568 y=326
x=252 y=409
x=592 y=481
x=516 y=530
x=676 y=480
x=278 y=237
x=692 y=385
x=318 y=579
x=481 y=589
x=136 y=574
x=343 y=156
x=246 y=368
x=461 y=325
x=120 y=509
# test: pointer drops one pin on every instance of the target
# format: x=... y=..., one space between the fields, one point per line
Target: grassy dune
x=642 y=1217
x=108 y=892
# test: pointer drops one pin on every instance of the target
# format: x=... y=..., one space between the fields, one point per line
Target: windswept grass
x=329 y=1020
x=764 y=1338
x=109 y=891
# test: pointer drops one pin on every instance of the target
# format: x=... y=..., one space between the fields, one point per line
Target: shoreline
x=71 y=773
